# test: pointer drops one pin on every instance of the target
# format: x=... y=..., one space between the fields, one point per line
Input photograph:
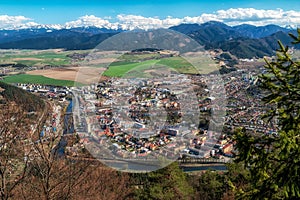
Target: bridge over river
x=193 y=164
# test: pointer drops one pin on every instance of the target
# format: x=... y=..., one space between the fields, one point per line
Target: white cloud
x=89 y=20
x=236 y=16
x=232 y=16
x=10 y=22
x=136 y=21
x=20 y=22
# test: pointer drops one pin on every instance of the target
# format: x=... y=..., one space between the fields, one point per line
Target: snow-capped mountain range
x=112 y=26
x=244 y=41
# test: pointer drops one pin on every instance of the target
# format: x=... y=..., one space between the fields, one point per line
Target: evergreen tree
x=273 y=160
x=211 y=185
x=166 y=183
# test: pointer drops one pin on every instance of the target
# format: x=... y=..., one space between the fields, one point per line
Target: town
x=179 y=116
x=144 y=118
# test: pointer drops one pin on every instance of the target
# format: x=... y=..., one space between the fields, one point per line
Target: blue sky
x=64 y=11
x=61 y=11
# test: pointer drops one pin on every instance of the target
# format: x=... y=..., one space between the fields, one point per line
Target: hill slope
x=23 y=99
x=243 y=41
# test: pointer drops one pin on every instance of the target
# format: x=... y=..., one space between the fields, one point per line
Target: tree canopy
x=273 y=160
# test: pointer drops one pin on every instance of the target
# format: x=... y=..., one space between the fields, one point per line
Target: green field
x=179 y=64
x=35 y=57
x=38 y=79
x=121 y=70
x=135 y=65
x=139 y=57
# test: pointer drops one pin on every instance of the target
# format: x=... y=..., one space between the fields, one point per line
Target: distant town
x=125 y=116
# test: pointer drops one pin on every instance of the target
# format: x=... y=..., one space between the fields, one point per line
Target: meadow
x=140 y=66
x=128 y=64
x=37 y=79
x=122 y=68
x=32 y=58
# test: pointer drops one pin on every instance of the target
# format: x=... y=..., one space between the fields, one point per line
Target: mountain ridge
x=243 y=41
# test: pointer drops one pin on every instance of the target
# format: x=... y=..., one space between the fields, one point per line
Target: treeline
x=17 y=65
x=63 y=179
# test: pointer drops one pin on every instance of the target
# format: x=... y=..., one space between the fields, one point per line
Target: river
x=68 y=128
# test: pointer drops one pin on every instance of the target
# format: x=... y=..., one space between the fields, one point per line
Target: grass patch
x=38 y=79
x=36 y=58
x=139 y=57
x=120 y=68
x=179 y=64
